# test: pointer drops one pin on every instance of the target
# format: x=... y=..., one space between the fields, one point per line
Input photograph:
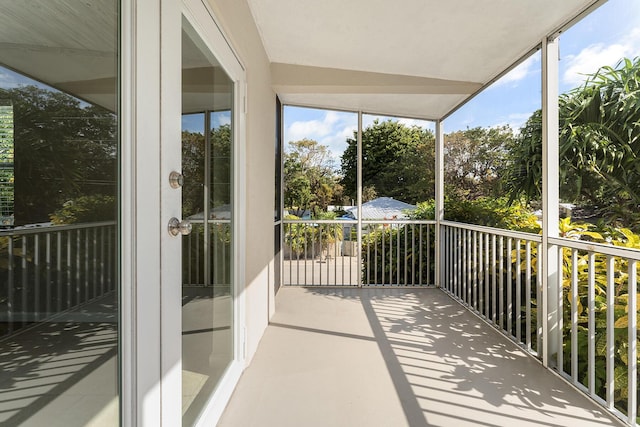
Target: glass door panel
x=207 y=202
x=59 y=182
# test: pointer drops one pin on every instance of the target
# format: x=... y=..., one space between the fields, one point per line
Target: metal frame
x=550 y=285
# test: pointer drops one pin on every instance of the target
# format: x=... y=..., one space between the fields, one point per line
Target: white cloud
x=7 y=80
x=597 y=55
x=331 y=130
x=520 y=72
x=416 y=122
x=222 y=119
x=311 y=129
x=514 y=120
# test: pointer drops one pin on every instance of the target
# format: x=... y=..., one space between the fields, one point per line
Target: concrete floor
x=395 y=357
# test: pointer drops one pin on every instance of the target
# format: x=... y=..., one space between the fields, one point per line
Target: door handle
x=177 y=227
x=176 y=180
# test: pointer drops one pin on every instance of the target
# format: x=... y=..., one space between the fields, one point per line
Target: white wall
x=237 y=24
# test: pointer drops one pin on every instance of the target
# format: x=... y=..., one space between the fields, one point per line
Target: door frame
x=150 y=259
x=202 y=20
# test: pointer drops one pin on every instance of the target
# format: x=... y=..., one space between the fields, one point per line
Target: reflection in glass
x=58 y=192
x=6 y=164
x=207 y=202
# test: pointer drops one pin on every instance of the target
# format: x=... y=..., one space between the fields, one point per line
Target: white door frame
x=151 y=262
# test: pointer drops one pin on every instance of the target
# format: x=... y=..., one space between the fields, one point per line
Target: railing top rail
x=399 y=221
x=354 y=221
x=18 y=231
x=602 y=248
x=320 y=221
x=498 y=231
x=211 y=221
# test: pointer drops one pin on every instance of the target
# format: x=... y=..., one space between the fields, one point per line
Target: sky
x=602 y=38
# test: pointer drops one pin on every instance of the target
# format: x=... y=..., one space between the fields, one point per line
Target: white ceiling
x=440 y=52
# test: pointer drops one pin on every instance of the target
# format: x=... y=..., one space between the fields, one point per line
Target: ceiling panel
x=469 y=41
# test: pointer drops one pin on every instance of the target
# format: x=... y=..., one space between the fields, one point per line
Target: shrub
x=98 y=207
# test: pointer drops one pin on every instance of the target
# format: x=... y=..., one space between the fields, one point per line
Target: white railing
x=326 y=253
x=398 y=252
x=51 y=269
x=492 y=272
x=598 y=300
x=496 y=273
x=206 y=253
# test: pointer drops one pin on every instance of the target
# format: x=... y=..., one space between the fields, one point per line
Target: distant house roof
x=382 y=208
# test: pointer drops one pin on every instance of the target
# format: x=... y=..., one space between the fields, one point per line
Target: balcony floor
x=394 y=357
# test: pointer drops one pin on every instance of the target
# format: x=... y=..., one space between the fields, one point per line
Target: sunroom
x=145 y=280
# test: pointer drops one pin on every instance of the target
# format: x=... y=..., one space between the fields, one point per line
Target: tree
x=599 y=145
x=193 y=158
x=64 y=149
x=473 y=159
x=398 y=162
x=310 y=179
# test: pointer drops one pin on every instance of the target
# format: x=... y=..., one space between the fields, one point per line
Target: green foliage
x=609 y=235
x=86 y=209
x=618 y=237
x=490 y=212
x=397 y=162
x=473 y=160
x=392 y=255
x=599 y=146
x=310 y=180
x=310 y=237
x=193 y=154
x=64 y=149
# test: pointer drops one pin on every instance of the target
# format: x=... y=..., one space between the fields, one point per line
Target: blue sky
x=603 y=38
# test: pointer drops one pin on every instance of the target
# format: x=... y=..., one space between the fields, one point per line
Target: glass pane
x=207 y=152
x=59 y=147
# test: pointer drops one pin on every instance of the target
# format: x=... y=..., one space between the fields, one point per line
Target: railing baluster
x=48 y=273
x=102 y=264
x=475 y=270
x=518 y=291
x=198 y=281
x=69 y=270
x=539 y=304
x=87 y=297
x=59 y=268
x=369 y=257
x=428 y=254
x=406 y=247
x=610 y=338
x=486 y=276
x=11 y=284
x=501 y=282
x=574 y=316
x=77 y=264
x=528 y=294
x=592 y=325
x=36 y=277
x=480 y=272
x=509 y=288
x=468 y=279
x=632 y=336
x=470 y=268
x=493 y=280
x=560 y=270
x=463 y=265
x=110 y=254
x=458 y=276
x=398 y=281
x=25 y=280
x=94 y=253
